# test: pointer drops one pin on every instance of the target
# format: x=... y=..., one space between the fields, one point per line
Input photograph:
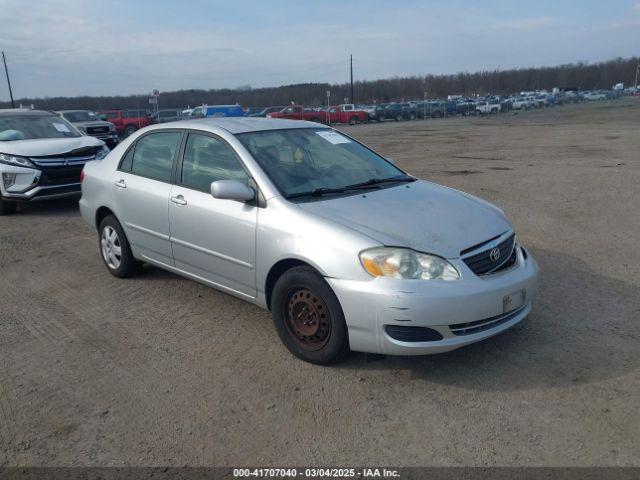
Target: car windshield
x=317 y=161
x=30 y=127
x=81 y=116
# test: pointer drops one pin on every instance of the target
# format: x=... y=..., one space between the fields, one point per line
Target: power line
x=6 y=71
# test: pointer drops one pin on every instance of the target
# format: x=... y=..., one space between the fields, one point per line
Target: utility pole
x=351 y=68
x=635 y=87
x=328 y=107
x=6 y=71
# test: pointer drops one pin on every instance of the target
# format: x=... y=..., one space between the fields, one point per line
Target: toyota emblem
x=495 y=254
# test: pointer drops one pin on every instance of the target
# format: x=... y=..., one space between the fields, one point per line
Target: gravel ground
x=159 y=370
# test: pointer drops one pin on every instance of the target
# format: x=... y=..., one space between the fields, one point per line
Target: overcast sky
x=76 y=47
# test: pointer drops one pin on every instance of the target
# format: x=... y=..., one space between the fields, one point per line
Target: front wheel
x=308 y=317
x=130 y=130
x=115 y=249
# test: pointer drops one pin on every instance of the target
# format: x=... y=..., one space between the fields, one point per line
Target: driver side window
x=208 y=159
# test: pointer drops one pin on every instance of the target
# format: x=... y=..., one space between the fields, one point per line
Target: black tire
x=303 y=291
x=316 y=119
x=7 y=208
x=353 y=120
x=129 y=130
x=398 y=117
x=128 y=266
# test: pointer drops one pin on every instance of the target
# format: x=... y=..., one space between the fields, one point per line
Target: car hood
x=43 y=147
x=420 y=215
x=93 y=123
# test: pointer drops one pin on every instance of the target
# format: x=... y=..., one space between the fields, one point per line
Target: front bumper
x=370 y=306
x=30 y=185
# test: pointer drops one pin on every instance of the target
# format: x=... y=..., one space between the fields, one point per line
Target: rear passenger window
x=153 y=155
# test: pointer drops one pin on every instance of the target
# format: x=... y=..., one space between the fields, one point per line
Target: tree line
x=586 y=76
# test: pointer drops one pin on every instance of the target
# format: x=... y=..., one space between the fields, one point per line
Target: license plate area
x=513 y=301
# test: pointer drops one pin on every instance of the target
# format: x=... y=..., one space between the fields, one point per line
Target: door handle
x=179 y=200
x=120 y=184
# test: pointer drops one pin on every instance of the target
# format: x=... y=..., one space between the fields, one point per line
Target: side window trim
x=132 y=149
x=176 y=157
x=183 y=146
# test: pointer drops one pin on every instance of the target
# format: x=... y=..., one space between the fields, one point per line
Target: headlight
x=14 y=160
x=406 y=263
x=103 y=152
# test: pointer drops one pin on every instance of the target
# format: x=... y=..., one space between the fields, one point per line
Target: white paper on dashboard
x=61 y=127
x=333 y=137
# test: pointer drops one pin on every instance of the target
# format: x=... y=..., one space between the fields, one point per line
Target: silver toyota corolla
x=346 y=250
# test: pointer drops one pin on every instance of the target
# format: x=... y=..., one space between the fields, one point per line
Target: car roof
x=26 y=112
x=73 y=111
x=237 y=125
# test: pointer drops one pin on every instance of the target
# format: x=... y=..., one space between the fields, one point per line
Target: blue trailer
x=218 y=111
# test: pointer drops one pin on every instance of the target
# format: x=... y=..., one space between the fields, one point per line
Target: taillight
x=81 y=175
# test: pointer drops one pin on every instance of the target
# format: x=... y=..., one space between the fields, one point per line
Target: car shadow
x=583 y=328
x=64 y=207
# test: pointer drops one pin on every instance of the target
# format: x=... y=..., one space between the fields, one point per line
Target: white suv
x=41 y=157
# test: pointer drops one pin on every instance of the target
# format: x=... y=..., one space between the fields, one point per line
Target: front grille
x=483 y=263
x=469 y=328
x=59 y=175
x=97 y=130
x=47 y=192
x=62 y=161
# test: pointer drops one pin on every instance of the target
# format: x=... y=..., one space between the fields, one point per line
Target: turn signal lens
x=407 y=264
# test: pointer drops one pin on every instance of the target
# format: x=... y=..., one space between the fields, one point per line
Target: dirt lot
x=161 y=370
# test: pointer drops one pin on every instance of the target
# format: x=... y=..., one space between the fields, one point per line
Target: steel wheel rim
x=111 y=247
x=307 y=319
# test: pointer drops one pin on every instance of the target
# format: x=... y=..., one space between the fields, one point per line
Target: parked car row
x=111 y=126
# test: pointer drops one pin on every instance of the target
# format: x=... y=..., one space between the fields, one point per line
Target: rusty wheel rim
x=307 y=319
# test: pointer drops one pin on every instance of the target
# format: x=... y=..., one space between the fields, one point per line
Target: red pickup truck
x=344 y=113
x=347 y=113
x=300 y=112
x=127 y=121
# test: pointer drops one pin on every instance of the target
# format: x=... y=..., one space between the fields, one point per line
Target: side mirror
x=232 y=190
x=390 y=160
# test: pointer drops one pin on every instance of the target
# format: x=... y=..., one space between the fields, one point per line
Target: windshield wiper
x=369 y=184
x=373 y=182
x=318 y=192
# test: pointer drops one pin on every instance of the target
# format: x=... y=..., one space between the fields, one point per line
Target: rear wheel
x=129 y=130
x=398 y=117
x=7 y=208
x=353 y=120
x=308 y=317
x=115 y=249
